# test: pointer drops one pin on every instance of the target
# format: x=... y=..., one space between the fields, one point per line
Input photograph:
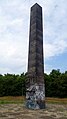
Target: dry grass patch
x=21 y=99
x=56 y=100
x=12 y=99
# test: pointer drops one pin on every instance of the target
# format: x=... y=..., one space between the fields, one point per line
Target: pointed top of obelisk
x=36 y=5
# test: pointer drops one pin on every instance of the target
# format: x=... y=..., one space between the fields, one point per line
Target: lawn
x=14 y=108
x=56 y=100
x=21 y=99
x=12 y=99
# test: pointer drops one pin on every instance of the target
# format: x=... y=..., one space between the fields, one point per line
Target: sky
x=14 y=35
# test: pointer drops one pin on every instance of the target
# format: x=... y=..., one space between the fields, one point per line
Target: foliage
x=14 y=85
x=56 y=84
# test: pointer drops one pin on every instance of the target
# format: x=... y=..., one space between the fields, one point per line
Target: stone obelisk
x=35 y=88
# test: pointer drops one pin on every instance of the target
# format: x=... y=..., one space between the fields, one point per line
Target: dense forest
x=14 y=85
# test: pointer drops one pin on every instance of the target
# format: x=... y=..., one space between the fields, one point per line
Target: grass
x=12 y=99
x=56 y=100
x=21 y=99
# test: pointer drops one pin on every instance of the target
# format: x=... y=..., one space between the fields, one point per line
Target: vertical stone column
x=35 y=93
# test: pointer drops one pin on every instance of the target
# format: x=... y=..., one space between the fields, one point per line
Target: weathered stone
x=35 y=93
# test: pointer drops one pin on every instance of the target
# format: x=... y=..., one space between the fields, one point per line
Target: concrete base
x=35 y=104
x=35 y=97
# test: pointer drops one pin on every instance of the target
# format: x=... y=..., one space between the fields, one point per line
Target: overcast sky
x=14 y=34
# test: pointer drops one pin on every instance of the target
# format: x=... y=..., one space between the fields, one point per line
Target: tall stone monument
x=35 y=88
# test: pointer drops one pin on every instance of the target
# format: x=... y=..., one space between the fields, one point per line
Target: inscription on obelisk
x=35 y=89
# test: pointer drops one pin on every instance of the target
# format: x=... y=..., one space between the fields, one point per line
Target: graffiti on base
x=35 y=97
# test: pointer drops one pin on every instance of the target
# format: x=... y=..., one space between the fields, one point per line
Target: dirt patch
x=18 y=111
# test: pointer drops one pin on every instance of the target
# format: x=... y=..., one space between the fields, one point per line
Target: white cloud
x=55 y=28
x=14 y=31
x=48 y=68
x=55 y=48
x=12 y=54
x=13 y=37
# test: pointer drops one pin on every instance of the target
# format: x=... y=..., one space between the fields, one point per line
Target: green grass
x=21 y=100
x=12 y=100
x=56 y=100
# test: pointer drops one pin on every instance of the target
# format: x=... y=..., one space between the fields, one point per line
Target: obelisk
x=35 y=88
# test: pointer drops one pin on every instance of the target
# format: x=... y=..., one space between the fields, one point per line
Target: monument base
x=35 y=97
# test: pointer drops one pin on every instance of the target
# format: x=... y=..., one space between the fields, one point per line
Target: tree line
x=56 y=84
x=14 y=85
